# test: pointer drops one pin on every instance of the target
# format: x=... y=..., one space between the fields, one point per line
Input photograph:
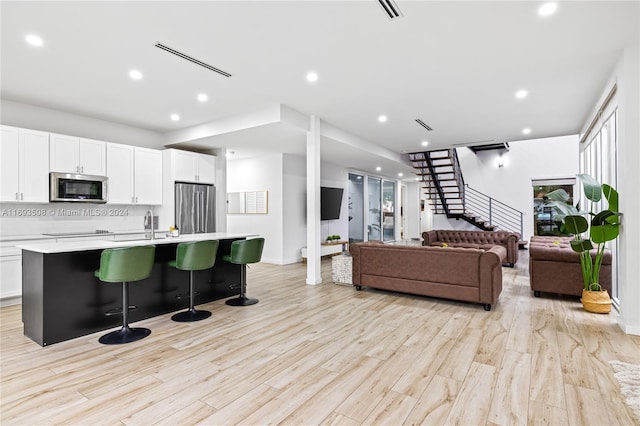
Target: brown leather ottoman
x=555 y=268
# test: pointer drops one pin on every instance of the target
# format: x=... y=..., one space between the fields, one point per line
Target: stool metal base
x=191 y=315
x=124 y=335
x=241 y=301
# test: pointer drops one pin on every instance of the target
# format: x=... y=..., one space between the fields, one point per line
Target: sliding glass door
x=374 y=217
x=356 y=208
x=372 y=209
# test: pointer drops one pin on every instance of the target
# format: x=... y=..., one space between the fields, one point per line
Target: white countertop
x=9 y=238
x=105 y=244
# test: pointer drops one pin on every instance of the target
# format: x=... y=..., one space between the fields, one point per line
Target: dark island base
x=62 y=299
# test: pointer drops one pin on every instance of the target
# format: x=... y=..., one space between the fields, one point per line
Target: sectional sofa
x=464 y=274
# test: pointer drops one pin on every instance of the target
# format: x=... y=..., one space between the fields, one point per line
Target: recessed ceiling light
x=382 y=118
x=378 y=168
x=547 y=9
x=520 y=94
x=34 y=40
x=312 y=77
x=135 y=74
x=400 y=174
x=425 y=143
x=202 y=97
x=526 y=131
x=175 y=117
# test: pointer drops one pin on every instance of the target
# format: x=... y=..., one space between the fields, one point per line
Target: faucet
x=149 y=225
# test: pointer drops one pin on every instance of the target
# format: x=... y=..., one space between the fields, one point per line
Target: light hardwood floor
x=329 y=355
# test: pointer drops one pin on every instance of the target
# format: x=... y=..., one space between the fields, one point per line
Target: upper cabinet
x=70 y=154
x=148 y=176
x=24 y=165
x=190 y=166
x=120 y=186
x=135 y=175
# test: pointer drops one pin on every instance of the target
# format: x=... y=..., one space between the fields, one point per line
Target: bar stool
x=125 y=265
x=194 y=256
x=243 y=252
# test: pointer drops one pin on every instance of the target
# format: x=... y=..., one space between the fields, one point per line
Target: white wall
x=530 y=159
x=336 y=177
x=263 y=173
x=295 y=206
x=627 y=76
x=49 y=120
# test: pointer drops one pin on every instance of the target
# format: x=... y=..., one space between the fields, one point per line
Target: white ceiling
x=455 y=65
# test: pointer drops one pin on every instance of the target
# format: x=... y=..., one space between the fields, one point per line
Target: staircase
x=444 y=186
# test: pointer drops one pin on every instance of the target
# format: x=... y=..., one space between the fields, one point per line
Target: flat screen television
x=330 y=202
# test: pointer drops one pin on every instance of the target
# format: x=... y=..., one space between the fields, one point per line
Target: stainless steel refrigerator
x=195 y=208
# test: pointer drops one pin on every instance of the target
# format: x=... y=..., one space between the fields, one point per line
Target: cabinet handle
x=81 y=169
x=22 y=196
x=17 y=198
x=136 y=199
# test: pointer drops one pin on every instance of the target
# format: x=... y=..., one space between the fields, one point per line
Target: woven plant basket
x=596 y=301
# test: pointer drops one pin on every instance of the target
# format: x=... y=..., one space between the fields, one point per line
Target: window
x=598 y=158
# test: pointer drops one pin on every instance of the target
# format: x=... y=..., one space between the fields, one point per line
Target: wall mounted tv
x=330 y=202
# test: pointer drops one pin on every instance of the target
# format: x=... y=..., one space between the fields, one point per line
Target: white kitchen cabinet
x=24 y=160
x=206 y=168
x=190 y=166
x=11 y=271
x=148 y=176
x=120 y=186
x=135 y=175
x=71 y=154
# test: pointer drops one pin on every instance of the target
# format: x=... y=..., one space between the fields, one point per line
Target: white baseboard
x=281 y=261
x=10 y=301
x=629 y=329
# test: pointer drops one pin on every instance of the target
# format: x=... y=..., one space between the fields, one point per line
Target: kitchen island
x=62 y=299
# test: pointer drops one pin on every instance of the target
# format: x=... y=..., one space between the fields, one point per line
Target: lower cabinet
x=11 y=271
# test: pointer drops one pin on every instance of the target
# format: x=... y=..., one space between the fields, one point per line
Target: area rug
x=628 y=376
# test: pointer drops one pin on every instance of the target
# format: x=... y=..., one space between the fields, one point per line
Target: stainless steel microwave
x=77 y=188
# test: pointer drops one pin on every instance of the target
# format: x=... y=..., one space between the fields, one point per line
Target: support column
x=314 y=273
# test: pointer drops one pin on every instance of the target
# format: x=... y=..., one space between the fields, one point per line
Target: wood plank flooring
x=327 y=354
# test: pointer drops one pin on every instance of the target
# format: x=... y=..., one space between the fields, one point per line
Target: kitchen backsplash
x=34 y=219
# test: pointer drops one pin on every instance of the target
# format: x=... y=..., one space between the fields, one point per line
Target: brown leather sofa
x=555 y=268
x=476 y=239
x=469 y=275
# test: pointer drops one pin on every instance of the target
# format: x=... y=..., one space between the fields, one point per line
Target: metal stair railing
x=499 y=214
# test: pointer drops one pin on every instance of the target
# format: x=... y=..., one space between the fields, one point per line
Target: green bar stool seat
x=125 y=265
x=242 y=253
x=194 y=256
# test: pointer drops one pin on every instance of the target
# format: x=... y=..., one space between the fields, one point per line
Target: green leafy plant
x=604 y=226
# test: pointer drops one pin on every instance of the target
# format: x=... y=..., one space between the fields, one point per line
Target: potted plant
x=604 y=226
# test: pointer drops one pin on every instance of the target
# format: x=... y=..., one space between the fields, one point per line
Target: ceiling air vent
x=423 y=124
x=192 y=59
x=390 y=8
